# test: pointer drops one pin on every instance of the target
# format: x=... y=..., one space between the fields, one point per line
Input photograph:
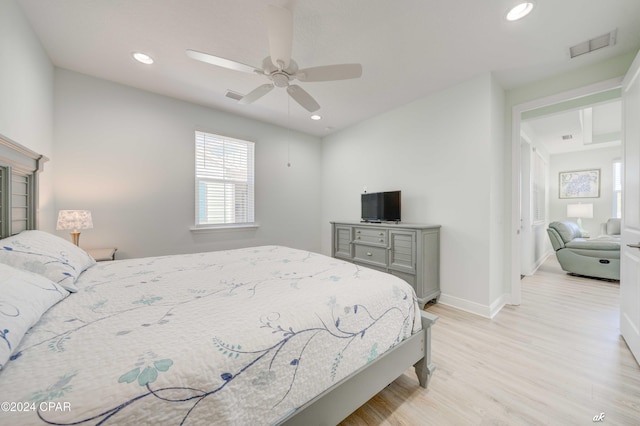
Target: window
x=617 y=189
x=224 y=181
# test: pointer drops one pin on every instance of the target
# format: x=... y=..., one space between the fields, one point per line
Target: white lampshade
x=580 y=210
x=74 y=220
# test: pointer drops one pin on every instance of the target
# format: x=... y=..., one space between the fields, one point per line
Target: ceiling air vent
x=608 y=39
x=567 y=137
x=233 y=95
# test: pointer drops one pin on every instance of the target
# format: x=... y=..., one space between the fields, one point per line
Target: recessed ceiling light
x=143 y=58
x=316 y=117
x=519 y=11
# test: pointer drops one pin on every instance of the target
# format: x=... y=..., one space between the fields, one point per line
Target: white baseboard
x=486 y=311
x=498 y=304
x=539 y=263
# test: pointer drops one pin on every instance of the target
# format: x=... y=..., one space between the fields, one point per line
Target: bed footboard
x=337 y=402
x=424 y=367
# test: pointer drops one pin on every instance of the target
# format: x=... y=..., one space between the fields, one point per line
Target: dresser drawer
x=376 y=256
x=371 y=236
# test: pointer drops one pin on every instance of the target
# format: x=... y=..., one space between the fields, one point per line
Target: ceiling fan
x=279 y=67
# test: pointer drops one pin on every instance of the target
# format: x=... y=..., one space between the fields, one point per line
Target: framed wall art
x=580 y=184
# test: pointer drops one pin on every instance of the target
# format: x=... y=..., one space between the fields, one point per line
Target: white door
x=630 y=247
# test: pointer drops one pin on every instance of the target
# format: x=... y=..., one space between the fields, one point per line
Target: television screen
x=381 y=206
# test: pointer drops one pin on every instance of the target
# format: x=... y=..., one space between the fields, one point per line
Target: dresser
x=409 y=251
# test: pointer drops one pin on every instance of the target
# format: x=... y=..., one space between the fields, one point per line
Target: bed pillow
x=24 y=297
x=46 y=254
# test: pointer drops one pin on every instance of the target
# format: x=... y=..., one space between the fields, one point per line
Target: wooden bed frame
x=328 y=408
x=19 y=169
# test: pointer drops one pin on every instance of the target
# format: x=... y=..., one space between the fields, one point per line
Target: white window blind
x=617 y=189
x=224 y=180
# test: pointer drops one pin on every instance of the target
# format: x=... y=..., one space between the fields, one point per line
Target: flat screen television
x=381 y=206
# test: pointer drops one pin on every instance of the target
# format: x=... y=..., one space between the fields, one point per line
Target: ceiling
x=407 y=48
x=593 y=127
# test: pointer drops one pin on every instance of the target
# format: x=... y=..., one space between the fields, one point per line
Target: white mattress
x=232 y=337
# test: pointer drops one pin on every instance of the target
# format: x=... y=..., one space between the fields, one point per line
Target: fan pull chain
x=288 y=131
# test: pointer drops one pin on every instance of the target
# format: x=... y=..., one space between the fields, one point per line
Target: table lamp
x=74 y=220
x=580 y=211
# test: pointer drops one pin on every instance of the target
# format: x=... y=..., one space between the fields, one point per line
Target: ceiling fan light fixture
x=279 y=67
x=519 y=11
x=143 y=58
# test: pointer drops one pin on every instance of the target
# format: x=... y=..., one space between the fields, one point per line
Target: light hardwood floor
x=557 y=359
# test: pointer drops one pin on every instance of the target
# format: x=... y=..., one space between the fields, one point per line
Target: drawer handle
x=381 y=240
x=381 y=234
x=358 y=238
x=634 y=245
x=369 y=254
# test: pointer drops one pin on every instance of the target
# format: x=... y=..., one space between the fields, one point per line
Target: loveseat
x=593 y=257
x=611 y=227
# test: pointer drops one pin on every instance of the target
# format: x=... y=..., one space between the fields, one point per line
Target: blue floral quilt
x=238 y=337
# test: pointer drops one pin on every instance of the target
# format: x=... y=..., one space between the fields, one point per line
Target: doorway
x=574 y=98
x=583 y=136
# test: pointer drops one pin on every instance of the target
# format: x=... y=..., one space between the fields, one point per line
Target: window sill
x=229 y=227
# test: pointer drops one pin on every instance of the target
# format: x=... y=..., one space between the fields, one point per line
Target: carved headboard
x=19 y=167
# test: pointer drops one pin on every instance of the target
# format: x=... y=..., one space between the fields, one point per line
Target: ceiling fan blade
x=221 y=62
x=330 y=72
x=280 y=25
x=303 y=98
x=256 y=94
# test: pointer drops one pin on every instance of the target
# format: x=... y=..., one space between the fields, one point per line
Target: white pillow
x=46 y=254
x=24 y=297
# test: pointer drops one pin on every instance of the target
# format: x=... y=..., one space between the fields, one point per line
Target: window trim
x=225 y=227
x=251 y=204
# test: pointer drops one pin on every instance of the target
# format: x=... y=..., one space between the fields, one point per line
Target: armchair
x=596 y=257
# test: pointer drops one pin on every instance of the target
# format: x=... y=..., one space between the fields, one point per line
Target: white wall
x=444 y=153
x=592 y=159
x=128 y=156
x=26 y=97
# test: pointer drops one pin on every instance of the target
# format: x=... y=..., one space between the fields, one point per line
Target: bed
x=261 y=335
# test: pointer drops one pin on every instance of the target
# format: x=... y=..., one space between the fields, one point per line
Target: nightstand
x=102 y=254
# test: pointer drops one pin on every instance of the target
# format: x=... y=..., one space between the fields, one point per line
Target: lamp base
x=583 y=233
x=75 y=236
